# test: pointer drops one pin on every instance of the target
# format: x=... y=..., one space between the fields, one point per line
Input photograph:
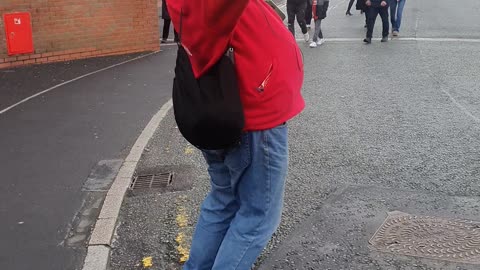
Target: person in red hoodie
x=244 y=205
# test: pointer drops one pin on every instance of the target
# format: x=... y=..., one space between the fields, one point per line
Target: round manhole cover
x=429 y=237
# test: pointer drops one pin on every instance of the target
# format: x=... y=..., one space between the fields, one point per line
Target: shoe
x=395 y=33
x=320 y=41
x=367 y=40
x=385 y=39
x=306 y=36
x=348 y=13
x=163 y=41
x=313 y=44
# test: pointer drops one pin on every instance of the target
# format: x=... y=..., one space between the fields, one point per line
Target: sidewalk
x=394 y=132
x=51 y=143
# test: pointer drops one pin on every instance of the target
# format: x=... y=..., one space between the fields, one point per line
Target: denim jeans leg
x=216 y=213
x=401 y=5
x=393 y=14
x=259 y=190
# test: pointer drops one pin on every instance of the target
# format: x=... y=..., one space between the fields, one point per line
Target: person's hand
x=383 y=4
x=368 y=3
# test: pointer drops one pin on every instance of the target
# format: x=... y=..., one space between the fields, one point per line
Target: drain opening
x=152 y=181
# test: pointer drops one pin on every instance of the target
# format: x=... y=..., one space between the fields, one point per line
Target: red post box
x=18 y=31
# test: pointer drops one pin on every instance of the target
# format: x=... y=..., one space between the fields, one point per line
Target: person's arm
x=222 y=15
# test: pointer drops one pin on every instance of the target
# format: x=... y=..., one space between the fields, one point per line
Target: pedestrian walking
x=350 y=4
x=244 y=205
x=376 y=7
x=166 y=23
x=396 y=12
x=319 y=8
x=297 y=8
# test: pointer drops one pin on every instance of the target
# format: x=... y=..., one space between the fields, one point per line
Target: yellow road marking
x=189 y=150
x=183 y=247
x=147 y=262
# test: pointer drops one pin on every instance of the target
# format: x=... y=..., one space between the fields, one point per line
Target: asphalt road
x=50 y=144
x=388 y=126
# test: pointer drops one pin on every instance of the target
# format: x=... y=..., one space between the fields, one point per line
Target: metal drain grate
x=152 y=181
x=429 y=237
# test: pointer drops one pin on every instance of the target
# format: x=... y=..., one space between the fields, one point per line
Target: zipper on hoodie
x=264 y=83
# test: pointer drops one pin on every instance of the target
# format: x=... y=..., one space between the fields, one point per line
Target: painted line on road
x=460 y=106
x=347 y=40
x=106 y=223
x=72 y=80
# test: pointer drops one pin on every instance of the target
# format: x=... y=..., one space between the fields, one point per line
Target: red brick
x=5 y=65
x=10 y=59
x=34 y=56
x=23 y=57
x=54 y=58
x=28 y=62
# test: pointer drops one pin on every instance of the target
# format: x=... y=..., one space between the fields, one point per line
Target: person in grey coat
x=319 y=10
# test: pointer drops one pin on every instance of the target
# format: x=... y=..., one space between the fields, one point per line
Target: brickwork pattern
x=67 y=29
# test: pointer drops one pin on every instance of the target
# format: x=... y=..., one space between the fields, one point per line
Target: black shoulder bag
x=208 y=110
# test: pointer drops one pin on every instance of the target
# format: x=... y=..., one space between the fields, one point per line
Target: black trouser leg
x=176 y=35
x=301 y=16
x=372 y=13
x=350 y=4
x=384 y=15
x=166 y=29
x=308 y=13
x=291 y=16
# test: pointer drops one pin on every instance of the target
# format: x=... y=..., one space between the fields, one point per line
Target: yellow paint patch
x=189 y=150
x=183 y=248
x=147 y=262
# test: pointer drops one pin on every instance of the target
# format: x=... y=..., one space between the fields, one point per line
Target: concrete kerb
x=99 y=245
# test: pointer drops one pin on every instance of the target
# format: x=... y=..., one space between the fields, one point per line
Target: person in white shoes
x=297 y=8
x=319 y=10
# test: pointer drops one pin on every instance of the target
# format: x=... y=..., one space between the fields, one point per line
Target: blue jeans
x=244 y=206
x=396 y=11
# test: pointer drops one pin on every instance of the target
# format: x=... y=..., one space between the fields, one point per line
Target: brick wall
x=73 y=29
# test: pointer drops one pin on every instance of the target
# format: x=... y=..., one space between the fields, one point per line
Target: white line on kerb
x=466 y=40
x=100 y=241
x=70 y=81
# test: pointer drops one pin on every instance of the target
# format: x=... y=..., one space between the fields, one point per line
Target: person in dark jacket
x=166 y=23
x=297 y=8
x=319 y=10
x=376 y=7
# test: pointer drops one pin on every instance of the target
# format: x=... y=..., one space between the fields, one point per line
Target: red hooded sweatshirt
x=268 y=62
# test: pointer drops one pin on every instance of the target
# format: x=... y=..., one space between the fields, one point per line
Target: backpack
x=208 y=110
